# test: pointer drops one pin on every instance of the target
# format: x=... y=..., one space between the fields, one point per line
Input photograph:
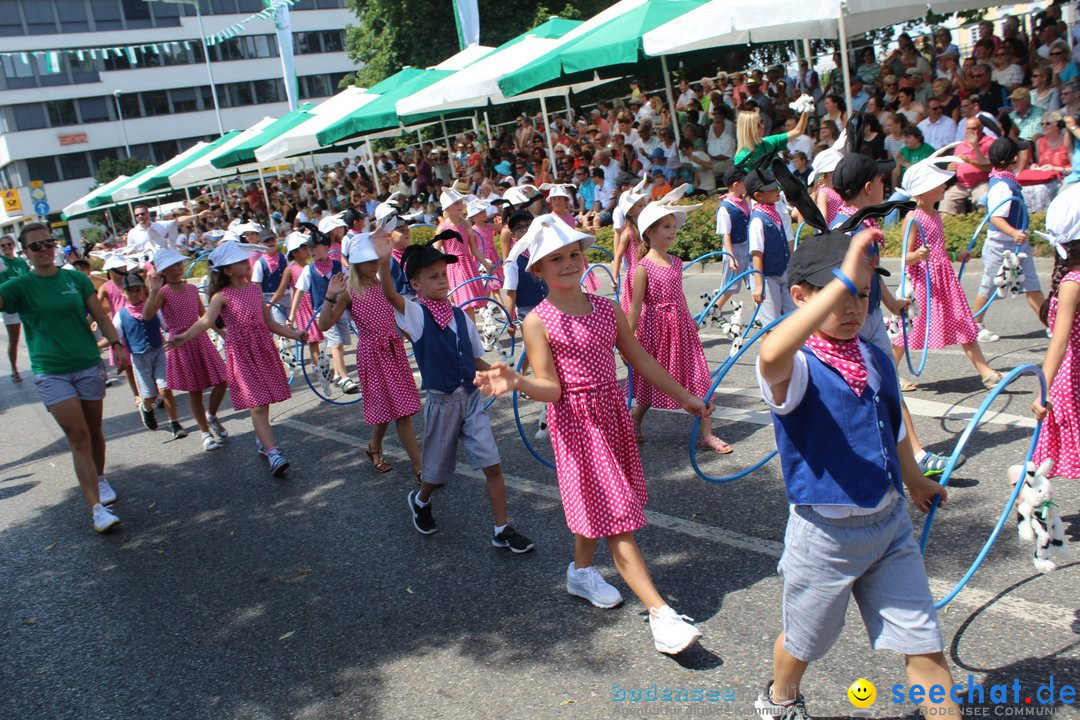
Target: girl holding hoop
x=949 y=314
x=462 y=245
x=631 y=202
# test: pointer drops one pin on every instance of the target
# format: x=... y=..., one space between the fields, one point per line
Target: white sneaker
x=672 y=633
x=985 y=336
x=103 y=519
x=590 y=584
x=209 y=443
x=106 y=495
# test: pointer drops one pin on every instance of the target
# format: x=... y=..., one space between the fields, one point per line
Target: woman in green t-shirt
x=752 y=146
x=13 y=268
x=914 y=150
x=70 y=378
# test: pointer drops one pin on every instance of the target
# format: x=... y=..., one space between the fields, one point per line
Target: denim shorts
x=741 y=251
x=338 y=333
x=149 y=370
x=872 y=557
x=12 y=319
x=86 y=384
x=993 y=255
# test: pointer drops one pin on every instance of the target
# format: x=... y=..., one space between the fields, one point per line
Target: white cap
x=824 y=162
x=361 y=249
x=116 y=261
x=228 y=253
x=166 y=257
x=386 y=215
x=247 y=227
x=1063 y=219
x=477 y=206
x=526 y=179
x=518 y=195
x=654 y=212
x=330 y=223
x=449 y=196
x=557 y=190
x=925 y=175
x=545 y=235
x=296 y=240
x=631 y=197
x=395 y=199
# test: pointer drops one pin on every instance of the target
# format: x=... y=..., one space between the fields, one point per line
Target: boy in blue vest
x=448 y=352
x=1005 y=231
x=770 y=239
x=846 y=458
x=270 y=280
x=144 y=341
x=732 y=225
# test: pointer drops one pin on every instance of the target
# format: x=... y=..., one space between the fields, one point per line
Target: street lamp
x=123 y=127
x=206 y=56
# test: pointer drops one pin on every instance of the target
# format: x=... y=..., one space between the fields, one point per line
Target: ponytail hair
x=1062 y=266
x=218 y=282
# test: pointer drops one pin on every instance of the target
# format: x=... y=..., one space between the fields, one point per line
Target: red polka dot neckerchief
x=845 y=357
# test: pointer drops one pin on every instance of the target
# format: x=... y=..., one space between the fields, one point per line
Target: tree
x=392 y=34
x=111 y=168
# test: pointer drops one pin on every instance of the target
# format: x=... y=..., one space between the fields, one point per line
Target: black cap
x=760 y=180
x=132 y=280
x=1004 y=150
x=816 y=257
x=734 y=174
x=519 y=217
x=418 y=257
x=855 y=170
x=352 y=215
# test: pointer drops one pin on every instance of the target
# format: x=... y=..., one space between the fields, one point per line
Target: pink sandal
x=717 y=445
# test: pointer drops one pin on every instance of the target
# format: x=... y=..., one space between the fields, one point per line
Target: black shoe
x=178 y=430
x=148 y=418
x=422 y=519
x=511 y=538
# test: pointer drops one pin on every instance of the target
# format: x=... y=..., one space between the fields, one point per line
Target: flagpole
x=209 y=70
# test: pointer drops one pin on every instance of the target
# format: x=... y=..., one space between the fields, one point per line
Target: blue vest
x=775 y=258
x=319 y=284
x=875 y=285
x=401 y=283
x=739 y=222
x=434 y=350
x=816 y=471
x=1016 y=207
x=271 y=281
x=140 y=335
x=531 y=290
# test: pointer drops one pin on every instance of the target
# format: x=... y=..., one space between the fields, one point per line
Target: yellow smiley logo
x=862 y=693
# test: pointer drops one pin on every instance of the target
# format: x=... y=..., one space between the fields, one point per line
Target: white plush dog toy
x=1037 y=516
x=1010 y=276
x=803 y=104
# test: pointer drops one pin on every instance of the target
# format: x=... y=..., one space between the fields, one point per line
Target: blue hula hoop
x=283 y=311
x=993 y=296
x=706 y=256
x=478 y=278
x=423 y=224
x=193 y=262
x=603 y=251
x=798 y=233
x=695 y=428
x=521 y=429
x=303 y=366
x=700 y=317
x=1006 y=513
x=925 y=310
x=506 y=324
x=989 y=214
x=601 y=266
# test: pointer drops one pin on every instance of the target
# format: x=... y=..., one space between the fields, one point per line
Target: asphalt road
x=227 y=593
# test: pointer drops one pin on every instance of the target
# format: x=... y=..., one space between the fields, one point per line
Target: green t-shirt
x=16 y=267
x=913 y=156
x=53 y=311
x=746 y=158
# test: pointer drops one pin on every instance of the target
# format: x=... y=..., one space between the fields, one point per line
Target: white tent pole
x=445 y=132
x=844 y=58
x=670 y=97
x=476 y=125
x=262 y=184
x=374 y=167
x=806 y=53
x=419 y=140
x=547 y=133
x=569 y=110
x=187 y=195
x=487 y=124
x=315 y=172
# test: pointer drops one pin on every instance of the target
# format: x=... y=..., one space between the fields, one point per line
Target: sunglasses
x=40 y=245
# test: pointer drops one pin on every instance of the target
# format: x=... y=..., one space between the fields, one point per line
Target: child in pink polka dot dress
x=662 y=323
x=569 y=339
x=254 y=372
x=461 y=244
x=626 y=246
x=1060 y=437
x=486 y=232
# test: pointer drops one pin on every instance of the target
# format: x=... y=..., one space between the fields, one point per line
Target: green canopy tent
x=93 y=200
x=159 y=179
x=244 y=153
x=116 y=194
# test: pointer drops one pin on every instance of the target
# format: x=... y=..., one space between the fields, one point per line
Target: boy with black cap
x=836 y=413
x=1004 y=233
x=770 y=240
x=732 y=224
x=448 y=352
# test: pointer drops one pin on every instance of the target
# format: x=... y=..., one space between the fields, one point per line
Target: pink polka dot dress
x=667 y=332
x=386 y=380
x=303 y=308
x=254 y=371
x=833 y=204
x=631 y=259
x=599 y=470
x=465 y=268
x=1060 y=436
x=485 y=238
x=950 y=315
x=116 y=299
x=196 y=365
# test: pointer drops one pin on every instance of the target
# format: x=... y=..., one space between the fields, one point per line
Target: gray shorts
x=87 y=384
x=149 y=369
x=338 y=333
x=873 y=331
x=993 y=256
x=12 y=319
x=777 y=299
x=448 y=417
x=873 y=557
x=741 y=251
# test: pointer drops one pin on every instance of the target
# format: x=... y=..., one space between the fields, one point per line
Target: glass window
x=10 y=24
x=155 y=102
x=43 y=169
x=304 y=5
x=136 y=14
x=141 y=151
x=129 y=105
x=83 y=71
x=223 y=7
x=269 y=91
x=207 y=96
x=98 y=156
x=106 y=14
x=30 y=116
x=47 y=78
x=265 y=46
x=74 y=166
x=249 y=6
x=329 y=4
x=117 y=62
x=240 y=94
x=94 y=109
x=72 y=15
x=18 y=74
x=183 y=100
x=166 y=14
x=40 y=17
x=333 y=40
x=61 y=112
x=306 y=43
x=163 y=151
